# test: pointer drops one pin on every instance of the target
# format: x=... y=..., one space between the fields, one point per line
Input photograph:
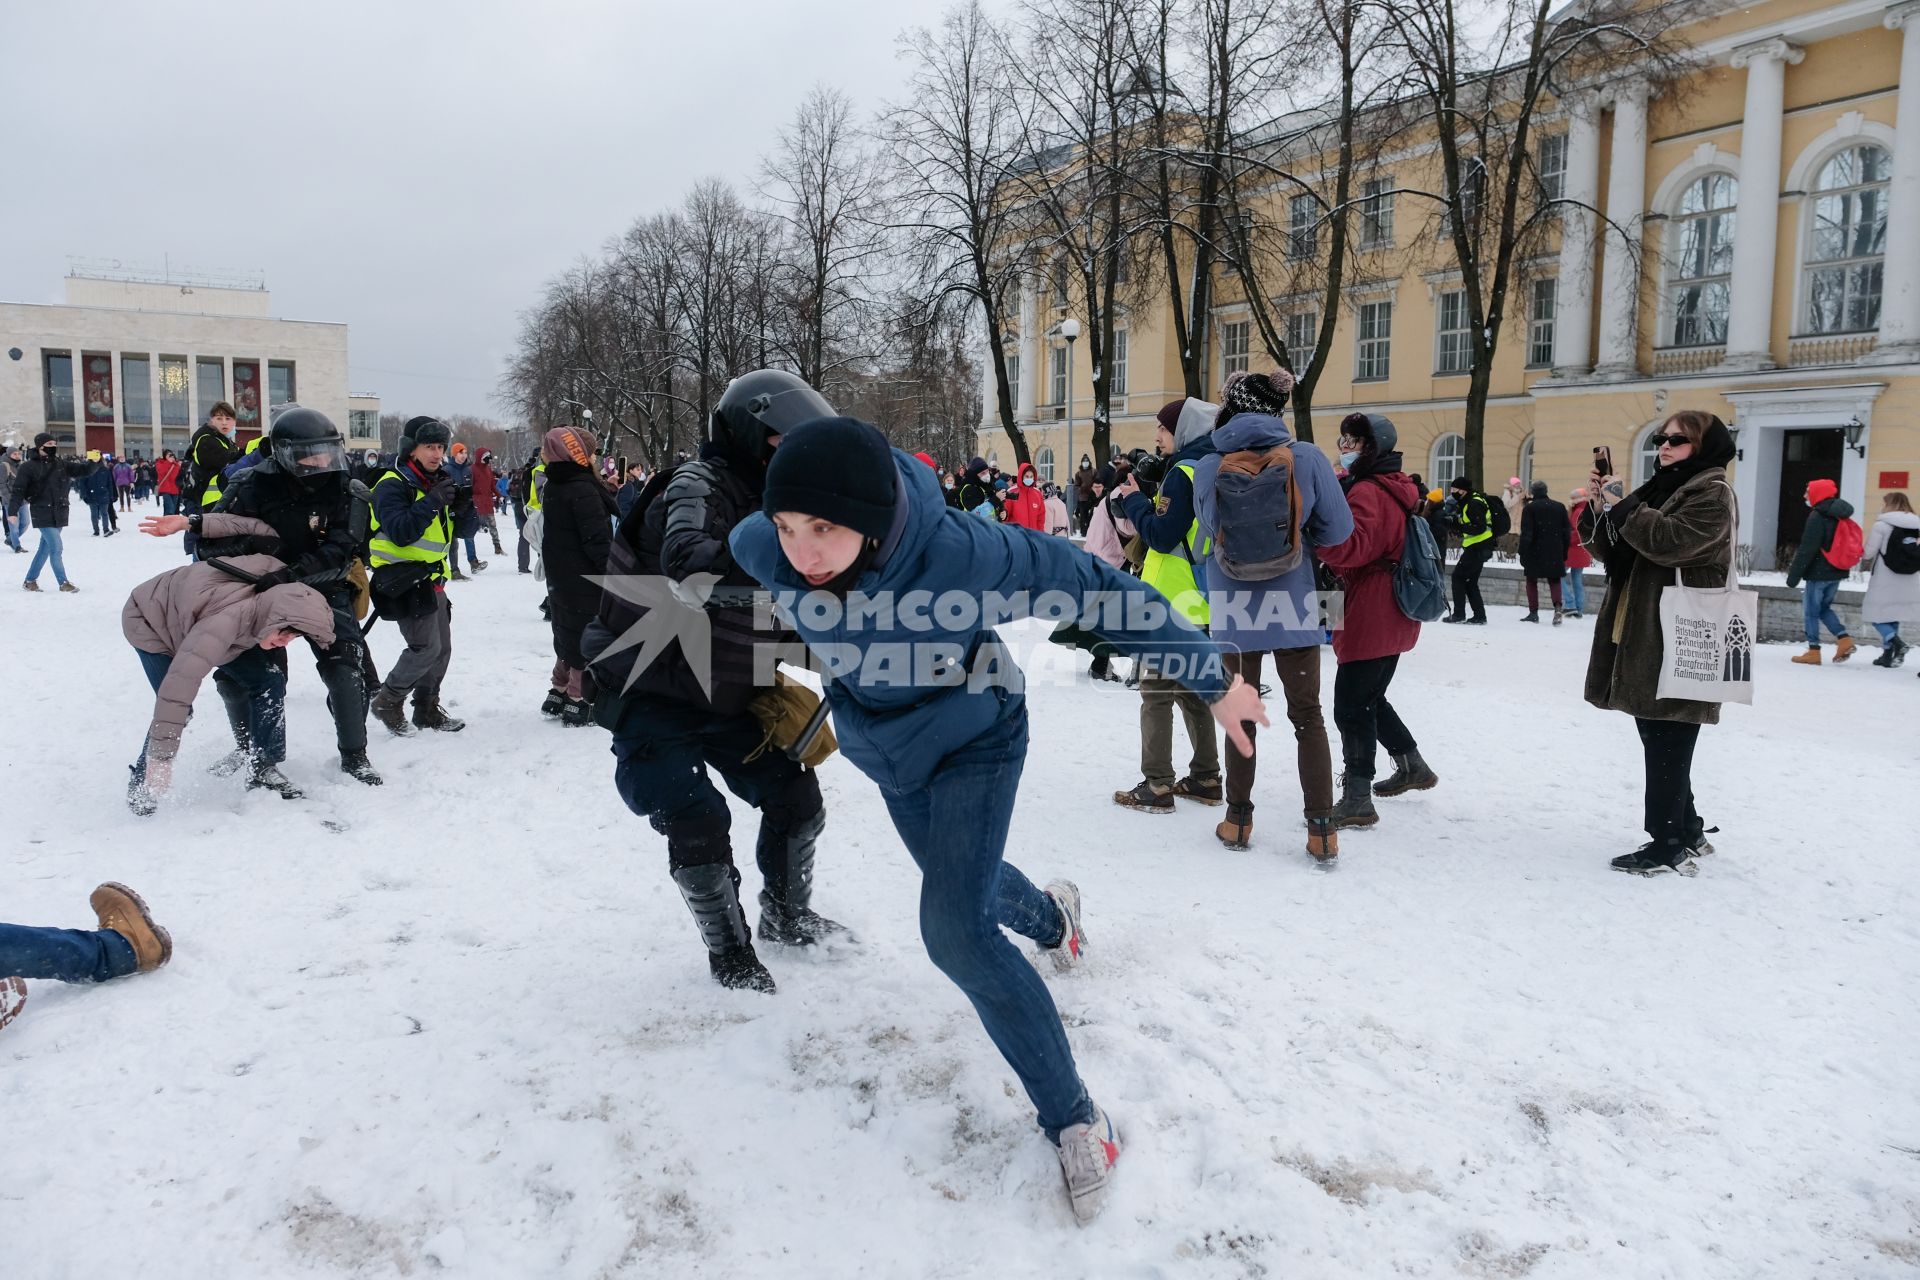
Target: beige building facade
x=132 y=365
x=1774 y=280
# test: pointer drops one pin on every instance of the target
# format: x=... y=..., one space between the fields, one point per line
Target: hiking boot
x=1843 y=648
x=389 y=707
x=1147 y=798
x=1088 y=1153
x=739 y=969
x=1323 y=839
x=1410 y=773
x=356 y=766
x=1900 y=648
x=1356 y=802
x=29 y=586
x=555 y=703
x=1559 y=616
x=1451 y=619
x=1071 y=948
x=231 y=763
x=267 y=777
x=122 y=910
x=791 y=926
x=1481 y=621
x=67 y=588
x=429 y=714
x=459 y=576
x=1887 y=651
x=1209 y=793
x=1652 y=860
x=1236 y=832
x=578 y=713
x=1811 y=658
x=478 y=565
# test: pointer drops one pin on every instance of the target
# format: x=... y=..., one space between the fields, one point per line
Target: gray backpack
x=1256 y=500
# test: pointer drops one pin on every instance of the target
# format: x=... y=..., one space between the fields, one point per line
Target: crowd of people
x=1228 y=557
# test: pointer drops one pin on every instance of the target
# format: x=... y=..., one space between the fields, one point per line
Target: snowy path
x=472 y=1033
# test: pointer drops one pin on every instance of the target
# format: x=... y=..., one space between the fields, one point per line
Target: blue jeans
x=169 y=504
x=1889 y=631
x=16 y=527
x=1577 y=590
x=102 y=513
x=48 y=550
x=956 y=830
x=64 y=955
x=1819 y=608
x=265 y=686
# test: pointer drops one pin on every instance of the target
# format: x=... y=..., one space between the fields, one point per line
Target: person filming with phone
x=1677 y=527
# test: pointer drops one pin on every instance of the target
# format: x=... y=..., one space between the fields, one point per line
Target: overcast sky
x=415 y=168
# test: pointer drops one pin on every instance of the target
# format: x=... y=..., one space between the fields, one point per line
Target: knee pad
x=696 y=842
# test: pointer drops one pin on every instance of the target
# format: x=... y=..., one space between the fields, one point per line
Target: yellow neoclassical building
x=1775 y=281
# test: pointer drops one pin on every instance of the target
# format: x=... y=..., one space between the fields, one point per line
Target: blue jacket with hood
x=906 y=706
x=1252 y=617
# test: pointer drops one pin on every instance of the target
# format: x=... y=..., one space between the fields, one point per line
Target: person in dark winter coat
x=945 y=740
x=465 y=511
x=1374 y=632
x=212 y=449
x=411 y=537
x=97 y=491
x=672 y=722
x=42 y=488
x=485 y=496
x=1823 y=578
x=577 y=532
x=1681 y=519
x=1545 y=538
x=976 y=494
x=1468 y=516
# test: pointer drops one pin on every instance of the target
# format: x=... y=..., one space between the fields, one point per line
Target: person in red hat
x=1829 y=548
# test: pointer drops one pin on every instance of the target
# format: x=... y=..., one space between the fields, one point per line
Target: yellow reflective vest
x=431 y=548
x=213 y=491
x=1466 y=518
x=1172 y=574
x=534 y=481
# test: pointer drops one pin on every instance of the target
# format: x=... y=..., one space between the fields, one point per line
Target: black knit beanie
x=1460 y=483
x=425 y=430
x=839 y=469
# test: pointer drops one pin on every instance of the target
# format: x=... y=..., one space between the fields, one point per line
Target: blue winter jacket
x=905 y=705
x=1163 y=530
x=1254 y=617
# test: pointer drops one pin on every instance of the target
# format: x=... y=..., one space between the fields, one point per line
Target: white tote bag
x=1709 y=634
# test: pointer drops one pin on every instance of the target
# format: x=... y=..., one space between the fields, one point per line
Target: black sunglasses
x=1657 y=441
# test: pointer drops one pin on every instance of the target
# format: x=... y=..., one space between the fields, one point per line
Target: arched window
x=1449 y=459
x=1847 y=241
x=1526 y=465
x=1043 y=463
x=1646 y=454
x=1702 y=261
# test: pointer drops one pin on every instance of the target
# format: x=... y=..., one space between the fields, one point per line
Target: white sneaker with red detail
x=1088 y=1153
x=1073 y=941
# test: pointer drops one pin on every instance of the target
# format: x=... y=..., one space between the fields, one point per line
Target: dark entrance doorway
x=1809 y=456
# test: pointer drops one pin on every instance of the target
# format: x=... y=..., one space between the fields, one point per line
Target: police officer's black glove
x=442 y=491
x=278 y=578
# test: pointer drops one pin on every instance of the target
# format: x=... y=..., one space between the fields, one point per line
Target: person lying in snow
x=947 y=738
x=127 y=942
x=189 y=621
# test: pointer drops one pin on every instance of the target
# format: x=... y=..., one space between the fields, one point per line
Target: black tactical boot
x=356 y=765
x=1356 y=802
x=712 y=893
x=1410 y=773
x=429 y=714
x=786 y=871
x=555 y=703
x=266 y=776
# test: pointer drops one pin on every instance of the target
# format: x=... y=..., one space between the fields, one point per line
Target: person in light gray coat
x=1892 y=597
x=1279 y=617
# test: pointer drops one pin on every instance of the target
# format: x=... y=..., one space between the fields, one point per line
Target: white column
x=1756 y=222
x=1900 y=288
x=1626 y=203
x=1573 y=308
x=1029 y=353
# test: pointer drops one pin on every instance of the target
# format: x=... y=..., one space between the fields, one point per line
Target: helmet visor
x=781 y=411
x=310 y=458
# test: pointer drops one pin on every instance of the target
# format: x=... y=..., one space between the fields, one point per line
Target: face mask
x=949 y=482
x=1348 y=459
x=1027 y=481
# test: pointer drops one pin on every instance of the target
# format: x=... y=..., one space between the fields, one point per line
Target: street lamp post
x=1070 y=329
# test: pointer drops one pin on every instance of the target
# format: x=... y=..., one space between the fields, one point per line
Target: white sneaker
x=1066 y=896
x=1088 y=1153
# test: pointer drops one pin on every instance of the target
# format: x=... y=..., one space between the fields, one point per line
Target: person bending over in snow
x=933 y=713
x=190 y=621
x=127 y=942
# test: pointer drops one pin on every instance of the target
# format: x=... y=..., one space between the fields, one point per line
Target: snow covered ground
x=462 y=1024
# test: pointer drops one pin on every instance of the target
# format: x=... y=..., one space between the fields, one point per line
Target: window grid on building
x=1375 y=337
x=1455 y=353
x=1545 y=300
x=1449 y=459
x=174 y=383
x=1117 y=381
x=280 y=384
x=1847 y=242
x=1059 y=378
x=1236 y=347
x=1303 y=212
x=1013 y=379
x=1699 y=295
x=1060 y=279
x=1043 y=463
x=136 y=390
x=210 y=381
x=56 y=371
x=1303 y=331
x=1376 y=214
x=1550 y=163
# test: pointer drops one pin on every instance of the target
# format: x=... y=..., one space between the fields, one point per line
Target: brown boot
x=122 y=910
x=1323 y=840
x=390 y=709
x=1843 y=649
x=1237 y=831
x=429 y=714
x=1811 y=658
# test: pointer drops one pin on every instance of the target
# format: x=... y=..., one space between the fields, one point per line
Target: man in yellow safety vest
x=411 y=531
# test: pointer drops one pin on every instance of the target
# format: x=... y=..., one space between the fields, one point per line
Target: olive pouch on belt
x=785 y=712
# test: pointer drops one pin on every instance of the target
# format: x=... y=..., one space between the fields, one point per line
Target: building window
x=363 y=424
x=136 y=390
x=174 y=410
x=1847 y=242
x=1013 y=380
x=97 y=386
x=1455 y=354
x=1550 y=163
x=1117 y=383
x=1646 y=458
x=1702 y=261
x=1546 y=296
x=1526 y=465
x=1060 y=281
x=1376 y=214
x=1043 y=463
x=246 y=395
x=280 y=383
x=1375 y=339
x=210 y=381
x=1059 y=376
x=1472 y=198
x=1449 y=459
x=1303 y=212
x=1303 y=333
x=56 y=369
x=1235 y=347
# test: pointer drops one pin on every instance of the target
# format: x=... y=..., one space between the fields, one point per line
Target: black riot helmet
x=759 y=405
x=305 y=445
